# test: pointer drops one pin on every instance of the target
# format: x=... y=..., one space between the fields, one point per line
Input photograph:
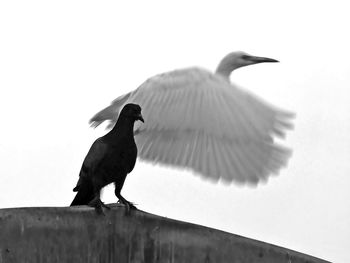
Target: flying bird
x=109 y=160
x=200 y=121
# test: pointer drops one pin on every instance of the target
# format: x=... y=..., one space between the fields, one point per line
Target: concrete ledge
x=53 y=234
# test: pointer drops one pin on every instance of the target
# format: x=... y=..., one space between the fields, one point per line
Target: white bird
x=198 y=120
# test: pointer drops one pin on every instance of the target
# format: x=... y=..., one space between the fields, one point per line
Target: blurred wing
x=199 y=120
x=214 y=158
x=110 y=112
x=195 y=99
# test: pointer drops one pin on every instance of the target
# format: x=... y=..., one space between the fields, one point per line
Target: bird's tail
x=84 y=194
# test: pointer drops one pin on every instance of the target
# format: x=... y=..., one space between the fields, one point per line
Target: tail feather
x=84 y=194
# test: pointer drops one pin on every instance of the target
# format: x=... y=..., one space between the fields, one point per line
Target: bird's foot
x=98 y=204
x=128 y=205
x=105 y=206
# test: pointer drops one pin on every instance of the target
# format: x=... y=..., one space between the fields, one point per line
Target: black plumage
x=109 y=160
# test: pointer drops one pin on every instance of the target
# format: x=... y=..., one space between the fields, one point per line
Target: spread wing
x=212 y=157
x=221 y=131
x=196 y=99
x=110 y=112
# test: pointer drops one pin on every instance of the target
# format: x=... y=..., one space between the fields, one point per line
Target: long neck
x=226 y=66
x=223 y=71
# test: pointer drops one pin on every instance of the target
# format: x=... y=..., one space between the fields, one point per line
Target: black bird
x=109 y=160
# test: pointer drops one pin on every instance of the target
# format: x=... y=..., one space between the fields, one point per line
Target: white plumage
x=198 y=120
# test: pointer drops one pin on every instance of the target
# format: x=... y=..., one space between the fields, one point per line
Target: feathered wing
x=110 y=112
x=95 y=155
x=231 y=160
x=84 y=187
x=199 y=100
x=198 y=120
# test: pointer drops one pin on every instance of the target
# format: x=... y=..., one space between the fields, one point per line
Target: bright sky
x=62 y=61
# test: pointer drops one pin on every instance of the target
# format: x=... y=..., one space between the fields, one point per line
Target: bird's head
x=132 y=111
x=237 y=60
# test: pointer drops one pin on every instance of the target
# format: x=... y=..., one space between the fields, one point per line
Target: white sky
x=62 y=61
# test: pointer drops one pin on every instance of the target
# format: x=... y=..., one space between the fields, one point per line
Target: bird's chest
x=121 y=160
x=128 y=157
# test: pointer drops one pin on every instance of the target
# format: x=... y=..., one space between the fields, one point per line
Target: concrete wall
x=52 y=234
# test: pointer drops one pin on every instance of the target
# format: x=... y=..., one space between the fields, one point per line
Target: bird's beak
x=139 y=117
x=255 y=59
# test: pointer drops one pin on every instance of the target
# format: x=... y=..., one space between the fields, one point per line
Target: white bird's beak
x=255 y=59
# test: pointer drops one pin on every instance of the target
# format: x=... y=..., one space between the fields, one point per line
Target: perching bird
x=200 y=121
x=109 y=160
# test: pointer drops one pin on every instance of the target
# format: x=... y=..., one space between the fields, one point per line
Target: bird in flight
x=109 y=160
x=200 y=121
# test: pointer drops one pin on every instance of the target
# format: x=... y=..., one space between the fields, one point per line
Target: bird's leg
x=128 y=205
x=97 y=203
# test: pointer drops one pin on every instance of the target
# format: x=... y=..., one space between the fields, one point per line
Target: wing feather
x=95 y=155
x=198 y=100
x=213 y=157
x=200 y=121
x=110 y=112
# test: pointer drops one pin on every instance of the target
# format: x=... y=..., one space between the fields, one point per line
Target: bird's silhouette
x=109 y=160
